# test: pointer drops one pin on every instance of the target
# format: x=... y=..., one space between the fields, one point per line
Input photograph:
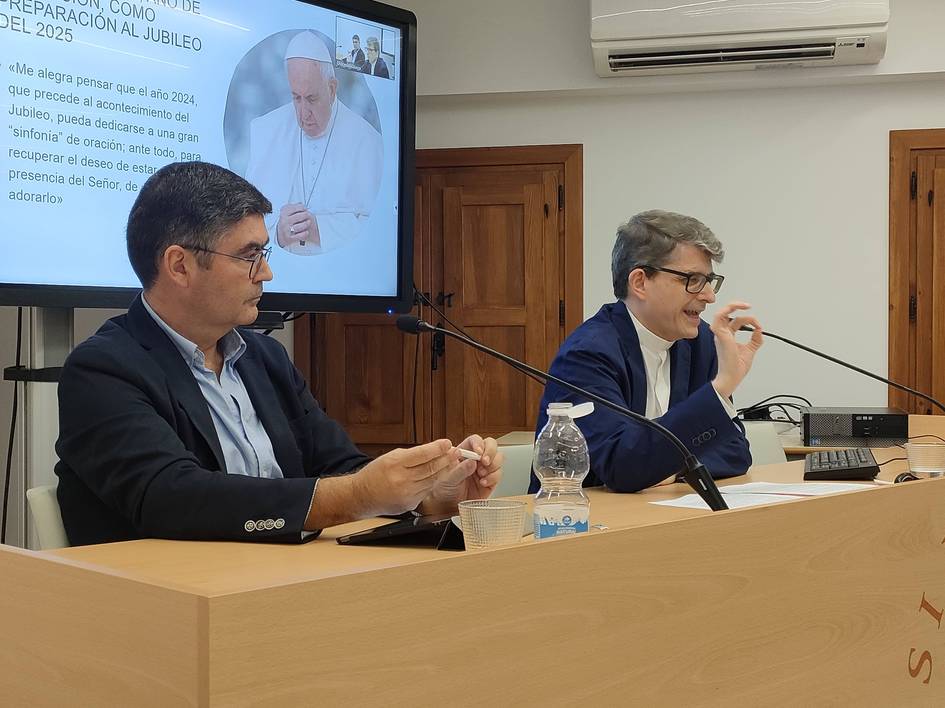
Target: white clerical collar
x=648 y=340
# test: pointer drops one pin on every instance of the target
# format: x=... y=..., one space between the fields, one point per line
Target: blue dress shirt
x=246 y=447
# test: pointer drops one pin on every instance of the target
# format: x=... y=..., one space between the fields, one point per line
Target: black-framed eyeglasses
x=695 y=282
x=254 y=261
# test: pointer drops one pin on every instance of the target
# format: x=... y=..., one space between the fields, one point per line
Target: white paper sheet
x=804 y=489
x=734 y=501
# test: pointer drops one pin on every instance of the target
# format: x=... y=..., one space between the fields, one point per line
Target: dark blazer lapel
x=180 y=379
x=266 y=403
x=680 y=356
x=630 y=343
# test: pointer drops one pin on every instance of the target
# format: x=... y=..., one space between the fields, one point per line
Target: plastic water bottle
x=561 y=464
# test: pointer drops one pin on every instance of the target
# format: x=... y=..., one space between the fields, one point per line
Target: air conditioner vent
x=627 y=61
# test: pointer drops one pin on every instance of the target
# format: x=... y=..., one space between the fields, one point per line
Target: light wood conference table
x=810 y=601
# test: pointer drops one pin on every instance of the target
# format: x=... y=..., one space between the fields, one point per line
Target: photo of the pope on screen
x=318 y=161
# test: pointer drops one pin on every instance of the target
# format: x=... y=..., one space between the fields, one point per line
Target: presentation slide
x=302 y=101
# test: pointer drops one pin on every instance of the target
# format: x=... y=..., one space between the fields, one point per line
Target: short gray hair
x=650 y=237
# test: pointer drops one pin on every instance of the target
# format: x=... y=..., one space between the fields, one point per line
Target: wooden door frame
x=902 y=286
x=571 y=156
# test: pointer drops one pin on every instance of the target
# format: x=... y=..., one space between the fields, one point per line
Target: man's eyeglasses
x=255 y=260
x=695 y=282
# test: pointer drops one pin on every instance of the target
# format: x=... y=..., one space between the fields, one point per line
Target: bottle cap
x=570 y=410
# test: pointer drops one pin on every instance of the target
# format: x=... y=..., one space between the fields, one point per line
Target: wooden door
x=500 y=235
x=917 y=267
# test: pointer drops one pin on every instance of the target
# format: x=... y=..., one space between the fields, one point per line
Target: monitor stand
x=47 y=341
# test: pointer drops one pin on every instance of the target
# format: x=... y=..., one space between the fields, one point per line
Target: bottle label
x=560 y=520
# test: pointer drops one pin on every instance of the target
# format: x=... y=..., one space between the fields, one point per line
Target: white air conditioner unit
x=643 y=37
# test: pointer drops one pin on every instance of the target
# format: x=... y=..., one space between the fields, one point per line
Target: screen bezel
x=85 y=296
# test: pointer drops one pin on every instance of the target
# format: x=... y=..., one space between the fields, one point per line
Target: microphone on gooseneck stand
x=696 y=475
x=857 y=369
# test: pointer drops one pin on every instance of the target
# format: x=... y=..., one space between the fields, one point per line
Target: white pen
x=469 y=454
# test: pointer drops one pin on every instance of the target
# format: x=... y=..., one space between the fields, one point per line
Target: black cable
x=787 y=415
x=413 y=399
x=769 y=411
x=416 y=371
x=895 y=459
x=768 y=406
x=929 y=435
x=288 y=316
x=6 y=479
x=459 y=329
x=771 y=398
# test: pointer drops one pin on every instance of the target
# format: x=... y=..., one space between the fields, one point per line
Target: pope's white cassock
x=336 y=176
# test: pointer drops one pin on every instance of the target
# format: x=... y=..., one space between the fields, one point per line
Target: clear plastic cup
x=491 y=523
x=926 y=459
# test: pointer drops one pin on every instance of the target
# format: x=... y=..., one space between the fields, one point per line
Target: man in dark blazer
x=651 y=352
x=356 y=55
x=176 y=424
x=375 y=64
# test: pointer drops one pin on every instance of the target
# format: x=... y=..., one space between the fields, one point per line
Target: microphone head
x=411 y=324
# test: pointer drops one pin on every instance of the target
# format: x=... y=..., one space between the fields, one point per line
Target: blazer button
x=279 y=523
x=250 y=526
x=269 y=524
x=703 y=437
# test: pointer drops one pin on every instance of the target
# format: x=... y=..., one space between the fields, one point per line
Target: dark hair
x=187 y=204
x=650 y=237
x=356 y=37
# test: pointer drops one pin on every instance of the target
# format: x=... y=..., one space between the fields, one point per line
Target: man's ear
x=636 y=283
x=177 y=264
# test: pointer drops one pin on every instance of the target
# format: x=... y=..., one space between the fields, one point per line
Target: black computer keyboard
x=857 y=463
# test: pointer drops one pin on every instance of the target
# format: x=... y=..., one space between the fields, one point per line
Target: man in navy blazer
x=375 y=64
x=175 y=424
x=651 y=352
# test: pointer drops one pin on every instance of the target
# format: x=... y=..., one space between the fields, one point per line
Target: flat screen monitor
x=311 y=101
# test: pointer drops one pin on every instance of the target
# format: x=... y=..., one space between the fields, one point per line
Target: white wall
x=498 y=46
x=793 y=180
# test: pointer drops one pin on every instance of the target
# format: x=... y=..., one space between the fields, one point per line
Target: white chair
x=516 y=470
x=44 y=507
x=764 y=442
